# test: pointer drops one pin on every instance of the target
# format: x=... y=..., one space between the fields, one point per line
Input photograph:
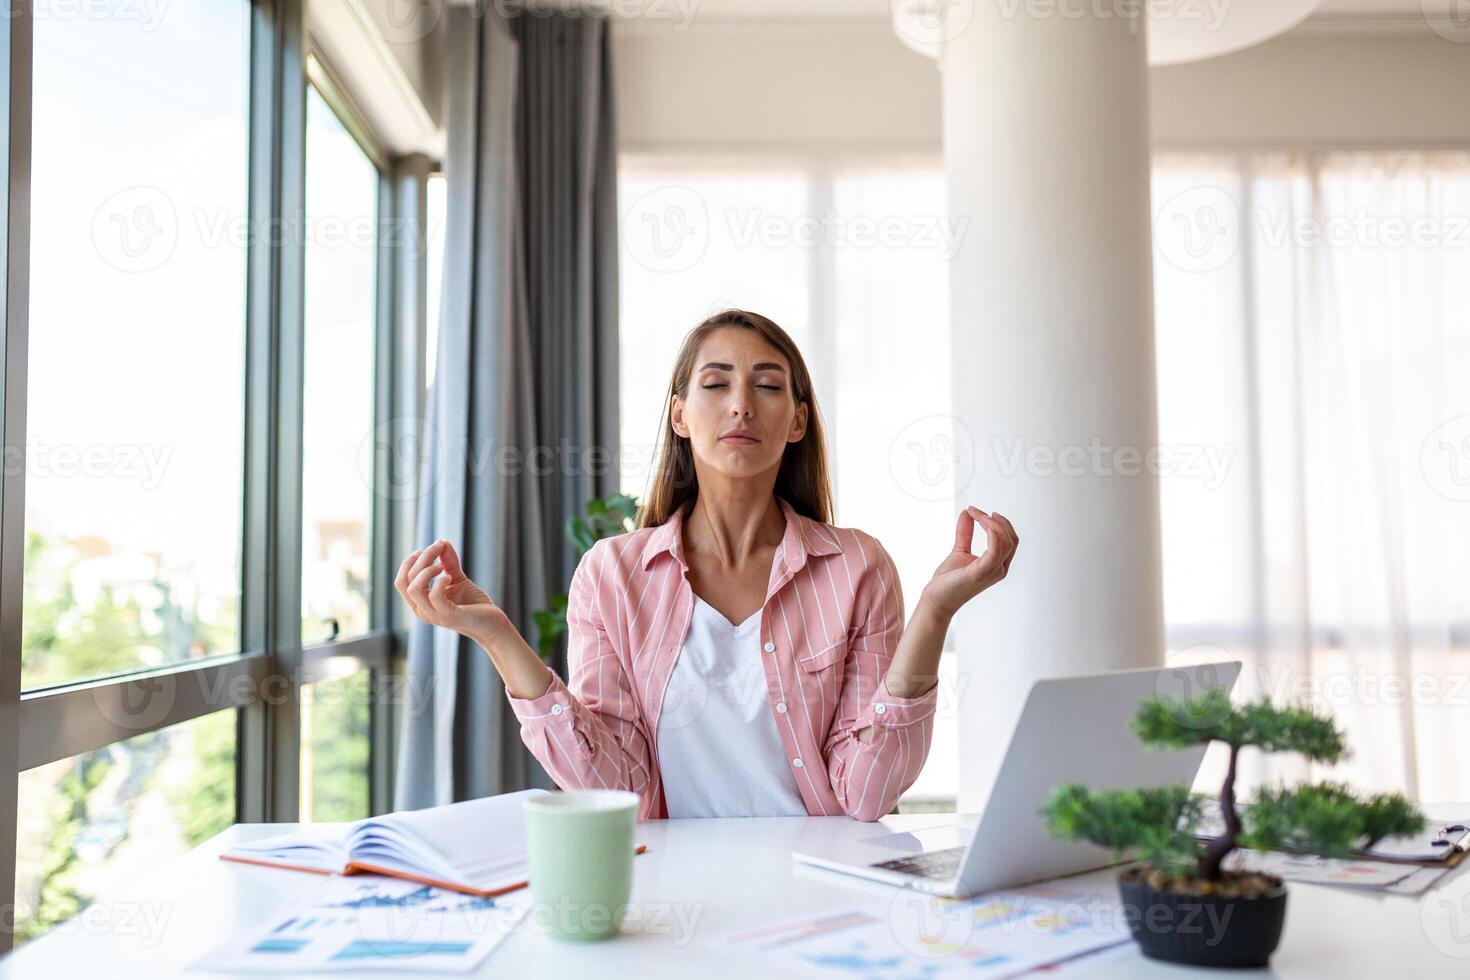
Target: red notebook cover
x=358 y=867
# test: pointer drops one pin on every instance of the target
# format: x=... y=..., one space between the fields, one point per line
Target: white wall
x=1402 y=88
x=782 y=84
x=835 y=84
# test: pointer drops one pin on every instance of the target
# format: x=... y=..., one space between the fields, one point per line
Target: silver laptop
x=1071 y=729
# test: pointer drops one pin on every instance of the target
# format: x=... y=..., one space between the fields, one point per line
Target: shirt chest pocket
x=820 y=673
x=825 y=658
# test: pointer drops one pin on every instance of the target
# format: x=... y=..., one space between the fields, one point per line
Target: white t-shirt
x=718 y=750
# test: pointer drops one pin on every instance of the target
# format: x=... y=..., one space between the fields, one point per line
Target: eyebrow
x=763 y=366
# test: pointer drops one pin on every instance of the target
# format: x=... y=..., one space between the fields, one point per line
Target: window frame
x=263 y=681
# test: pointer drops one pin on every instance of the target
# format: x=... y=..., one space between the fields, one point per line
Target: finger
x=401 y=583
x=400 y=580
x=419 y=587
x=452 y=568
x=437 y=600
x=997 y=554
x=984 y=566
x=976 y=516
x=994 y=533
x=964 y=531
x=1012 y=542
x=426 y=558
x=1010 y=528
x=1003 y=533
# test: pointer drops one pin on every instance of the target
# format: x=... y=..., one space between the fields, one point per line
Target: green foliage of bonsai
x=1159 y=824
x=606 y=517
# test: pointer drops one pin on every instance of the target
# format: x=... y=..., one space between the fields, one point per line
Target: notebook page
x=468 y=842
x=317 y=846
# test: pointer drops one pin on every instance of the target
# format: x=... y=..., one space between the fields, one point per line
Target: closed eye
x=723 y=385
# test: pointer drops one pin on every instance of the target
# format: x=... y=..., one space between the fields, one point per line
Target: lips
x=740 y=437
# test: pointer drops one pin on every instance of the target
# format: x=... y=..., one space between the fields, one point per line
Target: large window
x=201 y=393
x=1313 y=346
x=135 y=428
x=337 y=490
x=341 y=282
x=852 y=260
x=93 y=822
x=335 y=742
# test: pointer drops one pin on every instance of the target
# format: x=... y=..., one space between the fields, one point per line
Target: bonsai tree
x=606 y=517
x=1160 y=823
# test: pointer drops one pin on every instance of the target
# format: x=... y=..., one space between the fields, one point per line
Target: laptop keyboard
x=939 y=864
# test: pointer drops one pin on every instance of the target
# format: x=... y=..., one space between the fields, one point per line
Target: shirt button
x=879 y=708
x=770 y=647
x=797 y=763
x=556 y=709
x=781 y=707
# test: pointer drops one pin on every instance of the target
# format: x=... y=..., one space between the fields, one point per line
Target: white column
x=1046 y=148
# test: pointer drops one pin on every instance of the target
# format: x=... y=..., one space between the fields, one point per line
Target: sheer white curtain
x=1313 y=357
x=1314 y=396
x=850 y=256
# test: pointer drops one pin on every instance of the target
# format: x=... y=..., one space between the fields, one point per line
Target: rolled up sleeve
x=868 y=777
x=589 y=735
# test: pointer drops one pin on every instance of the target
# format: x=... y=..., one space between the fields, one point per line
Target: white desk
x=724 y=875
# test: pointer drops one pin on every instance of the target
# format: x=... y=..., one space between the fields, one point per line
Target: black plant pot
x=1203 y=930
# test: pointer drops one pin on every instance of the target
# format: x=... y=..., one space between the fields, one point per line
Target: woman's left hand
x=962 y=576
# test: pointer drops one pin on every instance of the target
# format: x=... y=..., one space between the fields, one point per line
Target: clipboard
x=1440 y=845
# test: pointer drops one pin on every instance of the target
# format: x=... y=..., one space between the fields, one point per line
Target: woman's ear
x=676 y=417
x=798 y=424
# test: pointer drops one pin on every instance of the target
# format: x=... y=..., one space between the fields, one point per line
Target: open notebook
x=478 y=846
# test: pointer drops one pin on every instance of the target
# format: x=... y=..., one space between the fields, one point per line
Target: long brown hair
x=803 y=479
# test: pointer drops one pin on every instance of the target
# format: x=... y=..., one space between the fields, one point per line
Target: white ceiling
x=879 y=9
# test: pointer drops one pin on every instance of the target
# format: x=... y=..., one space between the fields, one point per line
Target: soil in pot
x=1235 y=922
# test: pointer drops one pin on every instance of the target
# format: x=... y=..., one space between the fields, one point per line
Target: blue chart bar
x=385 y=950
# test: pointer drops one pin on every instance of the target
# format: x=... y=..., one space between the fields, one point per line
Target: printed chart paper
x=1406 y=879
x=918 y=936
x=375 y=923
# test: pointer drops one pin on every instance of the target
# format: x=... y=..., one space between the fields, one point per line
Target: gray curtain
x=526 y=382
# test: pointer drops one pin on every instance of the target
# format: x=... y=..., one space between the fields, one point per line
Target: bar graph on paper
x=375 y=923
x=925 y=938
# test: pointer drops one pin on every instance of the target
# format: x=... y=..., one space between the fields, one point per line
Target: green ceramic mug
x=580 y=859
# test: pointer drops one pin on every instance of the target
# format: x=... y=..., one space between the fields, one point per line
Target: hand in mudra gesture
x=434 y=585
x=962 y=575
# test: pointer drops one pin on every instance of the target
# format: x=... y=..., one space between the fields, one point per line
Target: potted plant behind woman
x=1182 y=903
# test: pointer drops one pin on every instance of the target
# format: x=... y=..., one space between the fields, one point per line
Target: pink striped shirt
x=830 y=624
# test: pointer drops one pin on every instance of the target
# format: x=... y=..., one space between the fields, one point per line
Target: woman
x=818 y=702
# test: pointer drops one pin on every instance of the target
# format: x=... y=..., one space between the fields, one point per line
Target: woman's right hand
x=434 y=585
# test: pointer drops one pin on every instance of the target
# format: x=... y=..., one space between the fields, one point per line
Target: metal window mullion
x=289 y=363
x=403 y=343
x=251 y=741
x=399 y=388
x=380 y=541
x=67 y=721
x=324 y=661
x=270 y=727
x=15 y=43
